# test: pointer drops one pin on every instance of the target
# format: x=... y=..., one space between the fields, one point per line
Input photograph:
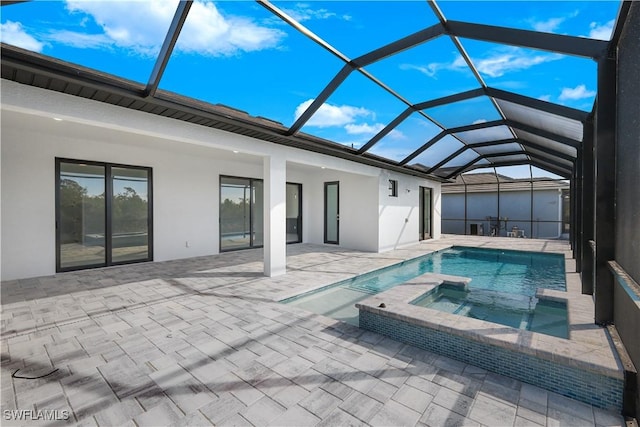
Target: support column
x=588 y=218
x=576 y=205
x=605 y=156
x=572 y=197
x=275 y=199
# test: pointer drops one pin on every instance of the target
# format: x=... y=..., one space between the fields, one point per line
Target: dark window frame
x=251 y=245
x=393 y=188
x=108 y=176
x=421 y=198
x=300 y=220
x=326 y=184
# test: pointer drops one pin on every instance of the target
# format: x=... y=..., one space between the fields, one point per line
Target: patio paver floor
x=201 y=341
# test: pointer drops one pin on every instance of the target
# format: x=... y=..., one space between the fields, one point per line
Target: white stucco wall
x=358 y=216
x=358 y=199
x=185 y=193
x=187 y=161
x=399 y=217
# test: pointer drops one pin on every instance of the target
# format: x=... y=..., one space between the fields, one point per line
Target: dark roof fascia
x=46 y=66
x=10 y=2
x=266 y=130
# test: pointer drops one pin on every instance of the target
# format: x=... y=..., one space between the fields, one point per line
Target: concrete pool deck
x=201 y=341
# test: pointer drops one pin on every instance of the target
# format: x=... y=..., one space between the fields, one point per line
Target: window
x=103 y=214
x=393 y=188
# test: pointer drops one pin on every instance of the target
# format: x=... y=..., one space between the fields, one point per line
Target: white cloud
x=332 y=115
x=430 y=69
x=549 y=25
x=14 y=34
x=347 y=118
x=601 y=31
x=545 y=98
x=397 y=135
x=80 y=40
x=303 y=12
x=579 y=92
x=496 y=63
x=433 y=68
x=208 y=32
x=141 y=26
x=552 y=24
x=511 y=60
x=477 y=122
x=363 y=129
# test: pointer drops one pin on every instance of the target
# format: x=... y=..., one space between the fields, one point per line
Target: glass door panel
x=81 y=215
x=331 y=212
x=294 y=213
x=257 y=213
x=241 y=213
x=425 y=213
x=129 y=214
x=235 y=218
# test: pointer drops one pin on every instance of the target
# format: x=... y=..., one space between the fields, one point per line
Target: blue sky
x=239 y=54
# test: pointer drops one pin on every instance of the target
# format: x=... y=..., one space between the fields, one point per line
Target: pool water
x=517 y=311
x=511 y=276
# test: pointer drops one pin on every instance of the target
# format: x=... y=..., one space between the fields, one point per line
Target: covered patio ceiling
x=482 y=126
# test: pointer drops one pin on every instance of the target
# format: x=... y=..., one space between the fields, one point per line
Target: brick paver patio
x=201 y=342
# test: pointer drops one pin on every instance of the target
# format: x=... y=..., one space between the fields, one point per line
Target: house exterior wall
x=358 y=227
x=399 y=217
x=187 y=161
x=185 y=194
x=514 y=205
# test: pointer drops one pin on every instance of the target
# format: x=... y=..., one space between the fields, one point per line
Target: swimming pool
x=510 y=277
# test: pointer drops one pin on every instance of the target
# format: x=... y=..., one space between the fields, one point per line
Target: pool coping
x=396 y=303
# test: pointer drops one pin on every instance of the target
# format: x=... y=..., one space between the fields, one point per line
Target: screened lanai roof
x=426 y=88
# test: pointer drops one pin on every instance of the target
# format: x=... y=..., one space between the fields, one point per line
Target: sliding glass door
x=241 y=213
x=103 y=214
x=81 y=216
x=129 y=214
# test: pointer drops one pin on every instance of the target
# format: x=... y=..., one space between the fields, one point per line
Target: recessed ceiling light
x=57 y=119
x=235 y=151
x=322 y=167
